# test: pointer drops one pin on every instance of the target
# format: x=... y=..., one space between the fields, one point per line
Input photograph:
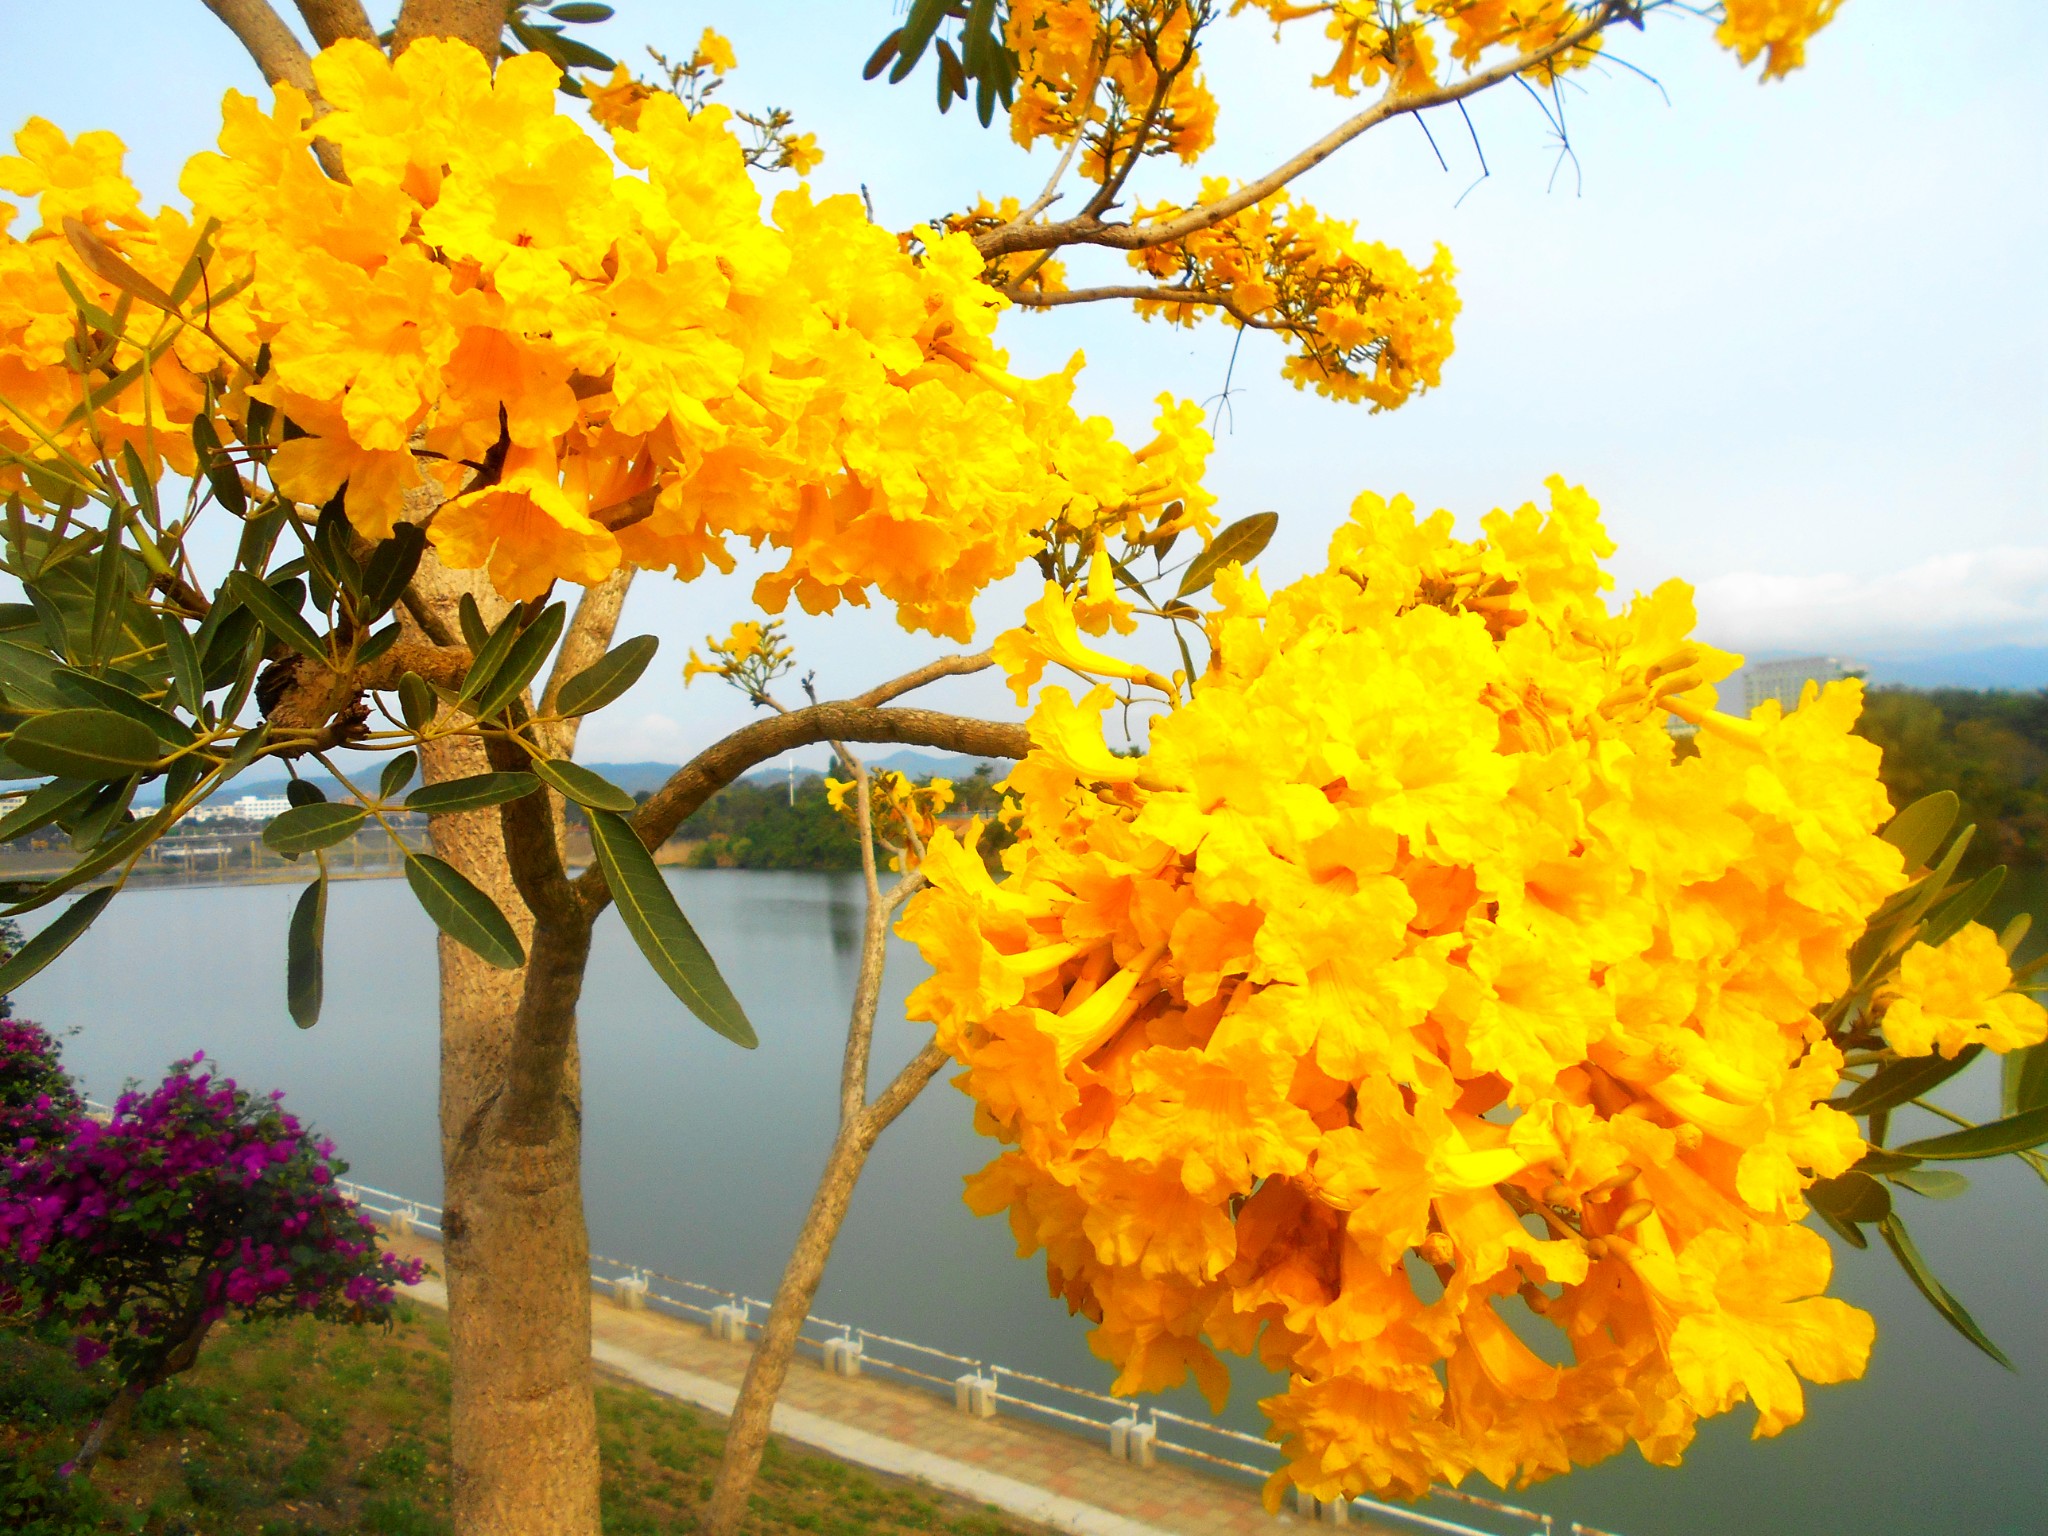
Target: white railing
x=1231 y=1451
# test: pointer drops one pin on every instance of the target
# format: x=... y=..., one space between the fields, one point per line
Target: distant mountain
x=2005 y=666
x=905 y=760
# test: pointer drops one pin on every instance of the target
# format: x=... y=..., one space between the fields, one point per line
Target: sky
x=1792 y=336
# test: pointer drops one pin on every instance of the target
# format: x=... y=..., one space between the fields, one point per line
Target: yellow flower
x=1954 y=995
x=1412 y=969
x=716 y=52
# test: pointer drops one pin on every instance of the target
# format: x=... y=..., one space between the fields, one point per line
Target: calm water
x=700 y=1158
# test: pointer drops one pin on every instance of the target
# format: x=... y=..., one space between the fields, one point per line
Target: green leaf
x=471 y=618
x=389 y=570
x=377 y=645
x=58 y=798
x=575 y=782
x=1917 y=831
x=1240 y=542
x=98 y=693
x=606 y=678
x=53 y=940
x=2015 y=1133
x=110 y=590
x=1949 y=918
x=487 y=658
x=462 y=911
x=2025 y=1075
x=218 y=468
x=1895 y=1083
x=282 y=622
x=915 y=35
x=1884 y=1160
x=188 y=677
x=476 y=793
x=1957 y=1316
x=397 y=774
x=304 y=964
x=305 y=792
x=84 y=744
x=1851 y=1198
x=1934 y=1183
x=2014 y=933
x=308 y=828
x=523 y=658
x=416 y=702
x=664 y=935
x=884 y=52
x=107 y=809
x=578 y=12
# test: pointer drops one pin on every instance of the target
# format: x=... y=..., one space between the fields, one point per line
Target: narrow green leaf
x=98 y=693
x=2025 y=1075
x=476 y=793
x=2014 y=933
x=1949 y=918
x=84 y=744
x=107 y=809
x=463 y=912
x=389 y=570
x=575 y=782
x=488 y=657
x=1239 y=543
x=58 y=798
x=581 y=11
x=218 y=468
x=1893 y=1084
x=1917 y=831
x=606 y=678
x=308 y=828
x=282 y=622
x=53 y=940
x=110 y=589
x=664 y=935
x=1957 y=1316
x=304 y=963
x=377 y=645
x=416 y=701
x=305 y=792
x=1933 y=1183
x=2015 y=1133
x=523 y=658
x=915 y=35
x=397 y=774
x=474 y=631
x=188 y=677
x=1884 y=1160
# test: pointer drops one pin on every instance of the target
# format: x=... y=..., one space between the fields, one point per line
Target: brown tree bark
x=523 y=1425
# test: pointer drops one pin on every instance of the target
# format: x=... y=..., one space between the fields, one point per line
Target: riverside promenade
x=1031 y=1471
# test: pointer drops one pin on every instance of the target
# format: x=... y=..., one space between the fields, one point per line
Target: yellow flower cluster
x=1108 y=71
x=1955 y=995
x=1413 y=1015
x=1366 y=324
x=594 y=367
x=1778 y=29
x=904 y=815
x=71 y=389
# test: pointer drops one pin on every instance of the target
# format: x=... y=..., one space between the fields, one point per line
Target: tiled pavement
x=1027 y=1469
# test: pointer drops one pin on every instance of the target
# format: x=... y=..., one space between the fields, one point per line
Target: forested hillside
x=1991 y=748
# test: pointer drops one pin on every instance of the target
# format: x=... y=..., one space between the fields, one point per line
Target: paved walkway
x=1034 y=1472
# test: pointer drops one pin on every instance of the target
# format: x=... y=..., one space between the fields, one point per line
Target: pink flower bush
x=38 y=1104
x=198 y=1200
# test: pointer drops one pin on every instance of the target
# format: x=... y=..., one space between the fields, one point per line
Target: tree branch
x=332 y=20
x=931 y=672
x=1032 y=299
x=479 y=23
x=590 y=633
x=902 y=1089
x=270 y=42
x=715 y=767
x=1086 y=229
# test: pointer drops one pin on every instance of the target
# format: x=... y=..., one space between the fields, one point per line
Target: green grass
x=302 y=1428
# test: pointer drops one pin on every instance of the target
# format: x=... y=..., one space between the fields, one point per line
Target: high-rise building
x=1786 y=680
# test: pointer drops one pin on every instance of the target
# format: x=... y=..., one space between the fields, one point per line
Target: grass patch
x=303 y=1429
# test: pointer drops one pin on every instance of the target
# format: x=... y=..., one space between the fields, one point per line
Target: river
x=699 y=1159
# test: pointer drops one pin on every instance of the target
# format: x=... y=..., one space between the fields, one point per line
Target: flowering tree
x=438 y=348
x=38 y=1102
x=194 y=1202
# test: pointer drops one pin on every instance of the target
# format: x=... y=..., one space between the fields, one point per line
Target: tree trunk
x=524 y=1426
x=746 y=1433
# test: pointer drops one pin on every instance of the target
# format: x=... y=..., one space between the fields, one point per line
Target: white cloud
x=1996 y=596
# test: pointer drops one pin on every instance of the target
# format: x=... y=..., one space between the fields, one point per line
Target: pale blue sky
x=1792 y=336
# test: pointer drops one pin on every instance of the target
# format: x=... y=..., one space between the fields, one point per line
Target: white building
x=248 y=808
x=1786 y=680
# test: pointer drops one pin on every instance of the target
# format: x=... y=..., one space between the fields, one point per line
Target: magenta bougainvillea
x=195 y=1201
x=38 y=1104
